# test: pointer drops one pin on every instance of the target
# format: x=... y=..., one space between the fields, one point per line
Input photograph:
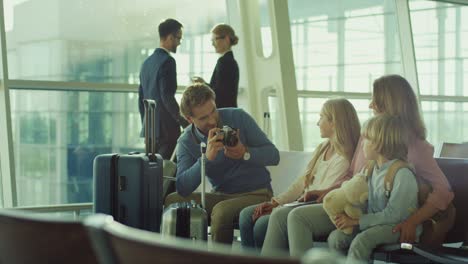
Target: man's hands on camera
x=237 y=151
x=215 y=143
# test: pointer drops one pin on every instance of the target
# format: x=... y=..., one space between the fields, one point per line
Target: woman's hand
x=197 y=79
x=407 y=231
x=316 y=195
x=263 y=209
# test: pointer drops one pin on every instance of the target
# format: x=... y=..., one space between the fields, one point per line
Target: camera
x=230 y=136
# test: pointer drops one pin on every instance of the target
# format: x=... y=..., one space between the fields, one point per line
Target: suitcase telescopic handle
x=150 y=126
x=203 y=173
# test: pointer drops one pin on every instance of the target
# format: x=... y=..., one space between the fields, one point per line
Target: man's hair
x=195 y=95
x=389 y=136
x=168 y=27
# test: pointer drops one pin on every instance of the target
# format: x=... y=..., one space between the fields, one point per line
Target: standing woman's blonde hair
x=392 y=94
x=223 y=30
x=342 y=114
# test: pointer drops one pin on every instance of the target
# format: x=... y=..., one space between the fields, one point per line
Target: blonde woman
x=225 y=78
x=392 y=94
x=340 y=125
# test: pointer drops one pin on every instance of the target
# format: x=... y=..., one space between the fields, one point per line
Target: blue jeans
x=252 y=235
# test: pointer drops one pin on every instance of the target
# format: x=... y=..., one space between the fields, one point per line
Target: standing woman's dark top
x=225 y=81
x=225 y=78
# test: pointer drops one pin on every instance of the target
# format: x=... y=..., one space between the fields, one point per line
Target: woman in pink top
x=392 y=94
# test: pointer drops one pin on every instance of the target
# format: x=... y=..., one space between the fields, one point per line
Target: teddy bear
x=347 y=199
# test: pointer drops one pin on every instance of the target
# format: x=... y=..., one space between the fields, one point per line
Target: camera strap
x=194 y=136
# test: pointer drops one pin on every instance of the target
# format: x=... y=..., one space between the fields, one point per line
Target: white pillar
x=6 y=140
x=276 y=72
x=408 y=57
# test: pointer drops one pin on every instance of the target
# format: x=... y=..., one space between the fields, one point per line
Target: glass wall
x=55 y=142
x=57 y=134
x=105 y=41
x=2 y=106
x=440 y=32
x=265 y=28
x=1 y=186
x=341 y=46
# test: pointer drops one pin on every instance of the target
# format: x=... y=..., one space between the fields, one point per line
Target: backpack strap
x=369 y=169
x=390 y=175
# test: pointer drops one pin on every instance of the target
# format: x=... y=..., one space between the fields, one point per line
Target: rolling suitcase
x=129 y=186
x=188 y=219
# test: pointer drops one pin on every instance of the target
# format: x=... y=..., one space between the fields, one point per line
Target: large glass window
x=1 y=185
x=445 y=121
x=2 y=106
x=105 y=41
x=265 y=28
x=341 y=47
x=440 y=33
x=57 y=134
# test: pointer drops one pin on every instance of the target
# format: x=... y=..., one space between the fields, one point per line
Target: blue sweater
x=227 y=175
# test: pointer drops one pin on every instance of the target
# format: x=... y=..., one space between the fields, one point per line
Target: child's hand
x=343 y=221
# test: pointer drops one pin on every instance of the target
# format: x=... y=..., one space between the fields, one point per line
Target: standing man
x=235 y=168
x=158 y=81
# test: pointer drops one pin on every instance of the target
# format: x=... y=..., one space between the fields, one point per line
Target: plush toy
x=347 y=199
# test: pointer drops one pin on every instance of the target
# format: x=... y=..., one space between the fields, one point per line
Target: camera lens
x=230 y=139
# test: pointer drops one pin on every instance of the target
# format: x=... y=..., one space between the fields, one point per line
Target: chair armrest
x=445 y=255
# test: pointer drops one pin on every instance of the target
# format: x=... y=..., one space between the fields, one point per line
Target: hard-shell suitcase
x=185 y=219
x=129 y=186
x=188 y=220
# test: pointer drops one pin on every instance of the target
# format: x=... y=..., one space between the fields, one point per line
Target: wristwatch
x=246 y=154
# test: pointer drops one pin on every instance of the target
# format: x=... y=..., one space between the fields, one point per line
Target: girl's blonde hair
x=392 y=94
x=388 y=135
x=223 y=30
x=342 y=114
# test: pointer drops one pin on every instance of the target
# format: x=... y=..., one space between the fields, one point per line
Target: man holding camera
x=236 y=157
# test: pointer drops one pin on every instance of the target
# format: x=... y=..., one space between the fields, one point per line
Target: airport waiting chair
x=456 y=171
x=454 y=150
x=116 y=243
x=27 y=237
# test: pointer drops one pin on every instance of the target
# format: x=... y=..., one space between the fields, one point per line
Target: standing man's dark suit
x=225 y=81
x=158 y=81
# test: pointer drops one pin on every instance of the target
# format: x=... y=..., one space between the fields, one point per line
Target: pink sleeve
x=358 y=162
x=420 y=154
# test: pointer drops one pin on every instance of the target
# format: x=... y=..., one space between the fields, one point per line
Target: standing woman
x=225 y=78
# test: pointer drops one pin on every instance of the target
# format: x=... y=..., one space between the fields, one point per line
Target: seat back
x=116 y=243
x=456 y=171
x=454 y=150
x=32 y=238
x=292 y=165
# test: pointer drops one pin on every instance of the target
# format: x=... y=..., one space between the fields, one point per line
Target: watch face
x=246 y=156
